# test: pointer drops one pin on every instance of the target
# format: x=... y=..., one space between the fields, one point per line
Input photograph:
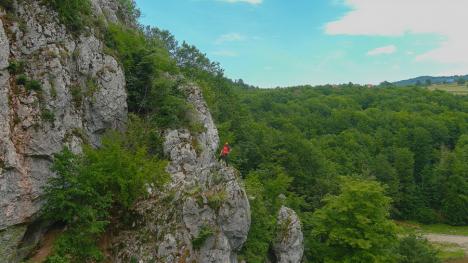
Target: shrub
x=47 y=115
x=128 y=10
x=89 y=185
x=203 y=235
x=92 y=87
x=414 y=249
x=22 y=79
x=77 y=95
x=7 y=4
x=74 y=14
x=147 y=62
x=33 y=85
x=16 y=67
x=217 y=199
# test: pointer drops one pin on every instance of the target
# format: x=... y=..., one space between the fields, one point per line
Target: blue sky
x=272 y=43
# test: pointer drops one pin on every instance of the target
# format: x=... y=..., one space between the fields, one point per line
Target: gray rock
x=202 y=194
x=289 y=242
x=9 y=239
x=59 y=61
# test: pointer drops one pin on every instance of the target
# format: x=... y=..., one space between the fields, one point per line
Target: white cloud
x=399 y=17
x=225 y=53
x=231 y=37
x=386 y=50
x=252 y=2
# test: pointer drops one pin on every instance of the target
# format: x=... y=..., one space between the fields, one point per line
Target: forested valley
x=307 y=143
x=350 y=159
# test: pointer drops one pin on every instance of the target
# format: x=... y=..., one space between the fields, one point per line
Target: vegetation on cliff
x=403 y=150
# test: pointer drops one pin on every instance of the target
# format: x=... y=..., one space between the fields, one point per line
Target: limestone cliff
x=75 y=93
x=289 y=241
x=203 y=215
x=58 y=89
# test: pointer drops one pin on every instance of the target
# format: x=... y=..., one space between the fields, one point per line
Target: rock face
x=289 y=244
x=81 y=94
x=203 y=215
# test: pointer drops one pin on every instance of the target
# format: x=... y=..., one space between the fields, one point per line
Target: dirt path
x=47 y=245
x=459 y=240
x=462 y=241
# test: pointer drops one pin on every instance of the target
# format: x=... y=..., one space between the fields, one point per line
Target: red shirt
x=226 y=150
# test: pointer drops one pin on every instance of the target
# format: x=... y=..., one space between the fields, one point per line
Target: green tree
x=90 y=185
x=461 y=81
x=354 y=226
x=414 y=249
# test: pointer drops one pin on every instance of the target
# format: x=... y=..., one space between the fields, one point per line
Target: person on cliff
x=224 y=154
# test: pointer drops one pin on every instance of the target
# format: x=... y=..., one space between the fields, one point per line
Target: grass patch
x=449 y=251
x=216 y=200
x=77 y=95
x=47 y=115
x=33 y=85
x=22 y=79
x=16 y=67
x=92 y=87
x=74 y=14
x=451 y=88
x=203 y=235
x=29 y=84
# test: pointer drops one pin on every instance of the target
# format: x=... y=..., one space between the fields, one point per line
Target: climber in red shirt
x=223 y=155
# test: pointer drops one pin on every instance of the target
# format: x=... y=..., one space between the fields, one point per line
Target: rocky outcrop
x=289 y=242
x=203 y=215
x=78 y=93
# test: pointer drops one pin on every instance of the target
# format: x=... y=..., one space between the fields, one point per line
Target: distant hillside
x=434 y=80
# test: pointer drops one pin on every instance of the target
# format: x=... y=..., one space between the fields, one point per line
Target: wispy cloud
x=437 y=17
x=230 y=37
x=386 y=50
x=252 y=2
x=225 y=53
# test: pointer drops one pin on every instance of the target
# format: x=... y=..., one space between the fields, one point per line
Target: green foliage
x=147 y=64
x=7 y=4
x=91 y=87
x=216 y=199
x=47 y=115
x=77 y=95
x=205 y=233
x=30 y=85
x=16 y=67
x=414 y=249
x=263 y=188
x=354 y=226
x=74 y=14
x=399 y=136
x=128 y=10
x=88 y=186
x=461 y=81
x=450 y=252
x=33 y=85
x=22 y=79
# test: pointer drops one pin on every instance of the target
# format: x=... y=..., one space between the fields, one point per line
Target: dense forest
x=413 y=141
x=302 y=142
x=348 y=158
